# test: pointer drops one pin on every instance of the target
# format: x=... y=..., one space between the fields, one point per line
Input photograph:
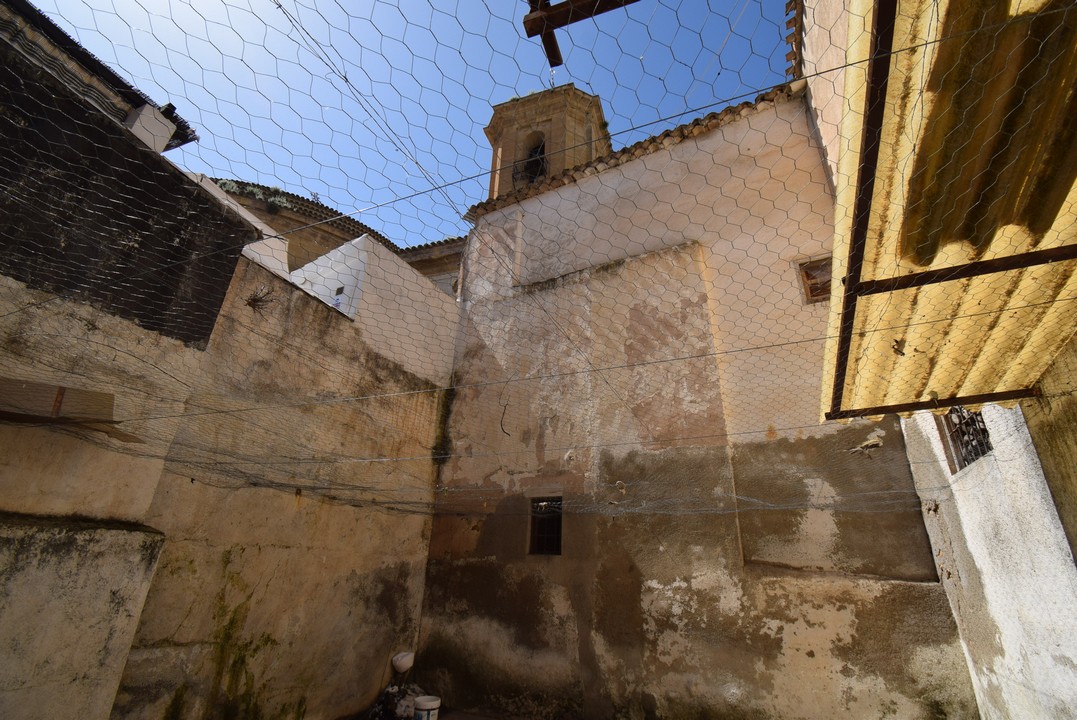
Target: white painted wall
x=150 y=126
x=825 y=42
x=405 y=317
x=334 y=277
x=694 y=190
x=753 y=194
x=1008 y=570
x=401 y=314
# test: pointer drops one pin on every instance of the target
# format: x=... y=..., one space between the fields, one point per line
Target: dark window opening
x=965 y=436
x=340 y=290
x=815 y=276
x=545 y=526
x=533 y=167
x=535 y=164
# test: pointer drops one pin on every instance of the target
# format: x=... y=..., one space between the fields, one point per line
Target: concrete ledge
x=71 y=593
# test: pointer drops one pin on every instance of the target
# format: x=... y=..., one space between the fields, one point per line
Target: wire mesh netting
x=657 y=289
x=657 y=276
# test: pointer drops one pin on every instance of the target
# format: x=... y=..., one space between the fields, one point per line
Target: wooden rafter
x=544 y=18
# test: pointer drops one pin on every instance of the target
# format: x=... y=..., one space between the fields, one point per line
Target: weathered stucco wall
x=836 y=500
x=258 y=458
x=70 y=596
x=73 y=591
x=594 y=366
x=57 y=474
x=293 y=559
x=104 y=471
x=293 y=566
x=1052 y=423
x=1006 y=566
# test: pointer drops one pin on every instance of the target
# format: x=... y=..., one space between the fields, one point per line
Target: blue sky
x=377 y=108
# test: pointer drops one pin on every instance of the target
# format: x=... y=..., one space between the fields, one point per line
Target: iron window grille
x=965 y=437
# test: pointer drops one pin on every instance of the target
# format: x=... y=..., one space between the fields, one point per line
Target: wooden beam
x=547 y=18
x=553 y=50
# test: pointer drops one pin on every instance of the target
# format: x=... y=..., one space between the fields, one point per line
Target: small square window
x=340 y=291
x=964 y=436
x=545 y=526
x=815 y=278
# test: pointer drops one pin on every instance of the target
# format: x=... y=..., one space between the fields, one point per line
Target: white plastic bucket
x=426 y=707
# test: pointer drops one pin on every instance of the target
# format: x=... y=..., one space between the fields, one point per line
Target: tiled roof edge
x=41 y=22
x=667 y=139
x=311 y=208
x=425 y=246
x=794 y=11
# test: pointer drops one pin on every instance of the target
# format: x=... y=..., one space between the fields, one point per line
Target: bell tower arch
x=542 y=134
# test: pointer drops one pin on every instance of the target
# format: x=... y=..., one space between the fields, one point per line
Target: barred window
x=965 y=436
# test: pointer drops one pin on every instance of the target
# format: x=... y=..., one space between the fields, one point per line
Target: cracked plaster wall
x=602 y=384
x=283 y=586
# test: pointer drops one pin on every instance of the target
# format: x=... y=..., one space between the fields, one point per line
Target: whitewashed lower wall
x=1007 y=568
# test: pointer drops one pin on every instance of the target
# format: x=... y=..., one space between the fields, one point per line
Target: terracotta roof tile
x=307 y=207
x=447 y=242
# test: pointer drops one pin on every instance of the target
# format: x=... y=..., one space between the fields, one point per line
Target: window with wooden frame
x=815 y=279
x=545 y=526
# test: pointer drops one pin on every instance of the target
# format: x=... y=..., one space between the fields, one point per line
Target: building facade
x=247 y=460
x=640 y=360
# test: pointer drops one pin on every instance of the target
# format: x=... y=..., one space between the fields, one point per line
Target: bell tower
x=540 y=135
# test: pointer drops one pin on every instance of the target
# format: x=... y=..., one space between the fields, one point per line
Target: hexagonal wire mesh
x=393 y=263
x=625 y=263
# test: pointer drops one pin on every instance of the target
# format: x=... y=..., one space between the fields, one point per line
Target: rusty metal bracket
x=882 y=42
x=997 y=397
x=972 y=269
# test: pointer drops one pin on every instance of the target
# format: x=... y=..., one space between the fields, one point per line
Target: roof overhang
x=40 y=40
x=956 y=208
